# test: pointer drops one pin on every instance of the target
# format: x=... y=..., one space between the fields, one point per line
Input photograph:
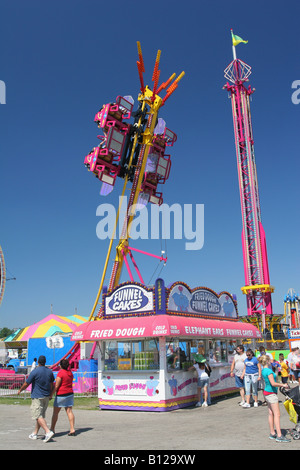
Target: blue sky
x=61 y=61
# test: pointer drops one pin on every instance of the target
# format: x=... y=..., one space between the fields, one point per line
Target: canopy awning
x=163 y=325
x=15 y=344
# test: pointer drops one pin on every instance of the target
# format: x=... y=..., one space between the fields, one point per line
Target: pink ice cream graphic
x=109 y=385
x=151 y=386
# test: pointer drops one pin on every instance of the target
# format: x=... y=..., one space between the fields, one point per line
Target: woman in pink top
x=64 y=396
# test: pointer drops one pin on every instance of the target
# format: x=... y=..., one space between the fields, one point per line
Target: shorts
x=239 y=382
x=271 y=398
x=203 y=382
x=296 y=373
x=284 y=380
x=39 y=407
x=66 y=401
x=251 y=380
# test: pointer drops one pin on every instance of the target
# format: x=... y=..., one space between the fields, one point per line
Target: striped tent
x=49 y=326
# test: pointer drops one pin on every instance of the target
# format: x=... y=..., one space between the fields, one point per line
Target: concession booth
x=146 y=338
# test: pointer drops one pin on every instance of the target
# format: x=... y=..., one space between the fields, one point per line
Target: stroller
x=292 y=405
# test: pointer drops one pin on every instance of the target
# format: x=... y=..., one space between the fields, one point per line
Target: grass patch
x=80 y=403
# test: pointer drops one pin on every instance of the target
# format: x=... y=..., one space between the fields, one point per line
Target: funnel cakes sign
x=201 y=301
x=129 y=298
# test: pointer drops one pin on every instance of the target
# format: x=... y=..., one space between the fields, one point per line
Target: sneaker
x=282 y=439
x=242 y=403
x=246 y=405
x=198 y=404
x=255 y=404
x=48 y=436
x=273 y=436
x=204 y=404
x=33 y=436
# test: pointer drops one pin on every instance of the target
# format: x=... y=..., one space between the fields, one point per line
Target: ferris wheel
x=2 y=275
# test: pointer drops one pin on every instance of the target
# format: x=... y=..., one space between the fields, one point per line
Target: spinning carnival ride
x=136 y=153
x=257 y=280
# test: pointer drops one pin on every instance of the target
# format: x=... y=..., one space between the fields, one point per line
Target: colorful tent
x=49 y=326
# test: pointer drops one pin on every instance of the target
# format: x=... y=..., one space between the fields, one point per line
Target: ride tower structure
x=137 y=153
x=2 y=275
x=291 y=309
x=256 y=270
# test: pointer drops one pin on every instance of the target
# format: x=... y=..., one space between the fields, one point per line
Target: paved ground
x=223 y=425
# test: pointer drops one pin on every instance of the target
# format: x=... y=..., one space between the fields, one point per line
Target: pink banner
x=163 y=325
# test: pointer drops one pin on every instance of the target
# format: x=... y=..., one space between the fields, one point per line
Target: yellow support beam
x=258 y=287
x=150 y=98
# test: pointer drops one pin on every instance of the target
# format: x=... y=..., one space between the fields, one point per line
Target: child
x=203 y=379
x=284 y=369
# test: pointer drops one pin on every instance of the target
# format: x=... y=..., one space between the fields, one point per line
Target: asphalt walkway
x=222 y=426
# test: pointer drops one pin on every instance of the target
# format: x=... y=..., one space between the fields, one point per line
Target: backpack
x=208 y=369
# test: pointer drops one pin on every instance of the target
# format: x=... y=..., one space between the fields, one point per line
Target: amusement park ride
x=136 y=153
x=256 y=269
x=2 y=275
x=291 y=309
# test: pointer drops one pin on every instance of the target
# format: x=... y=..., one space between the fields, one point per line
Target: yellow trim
x=145 y=404
x=259 y=287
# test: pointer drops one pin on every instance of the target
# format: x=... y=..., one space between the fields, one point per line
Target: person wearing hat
x=203 y=378
x=42 y=389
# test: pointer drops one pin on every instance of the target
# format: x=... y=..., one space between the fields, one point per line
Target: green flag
x=236 y=39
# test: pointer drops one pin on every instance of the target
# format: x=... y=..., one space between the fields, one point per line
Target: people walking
x=34 y=364
x=270 y=392
x=41 y=380
x=251 y=374
x=64 y=396
x=290 y=362
x=295 y=365
x=237 y=368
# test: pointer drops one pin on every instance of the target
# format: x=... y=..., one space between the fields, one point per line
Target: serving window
x=215 y=351
x=144 y=354
x=180 y=353
x=131 y=355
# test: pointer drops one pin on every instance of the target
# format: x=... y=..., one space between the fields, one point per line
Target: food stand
x=147 y=336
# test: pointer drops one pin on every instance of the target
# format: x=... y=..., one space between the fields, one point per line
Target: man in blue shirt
x=42 y=389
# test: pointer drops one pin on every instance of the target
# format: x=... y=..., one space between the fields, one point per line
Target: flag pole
x=233 y=47
x=234 y=52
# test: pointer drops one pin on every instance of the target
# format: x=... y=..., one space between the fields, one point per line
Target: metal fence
x=84 y=384
x=10 y=384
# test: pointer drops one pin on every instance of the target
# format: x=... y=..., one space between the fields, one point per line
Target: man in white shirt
x=263 y=352
x=237 y=368
x=293 y=362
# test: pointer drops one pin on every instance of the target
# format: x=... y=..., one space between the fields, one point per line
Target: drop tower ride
x=257 y=279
